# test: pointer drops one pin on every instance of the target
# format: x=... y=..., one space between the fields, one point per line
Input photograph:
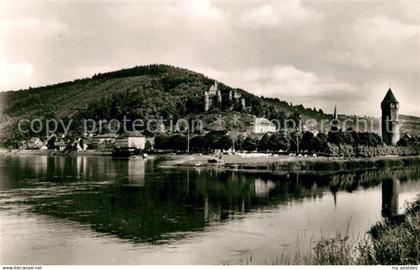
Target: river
x=96 y=210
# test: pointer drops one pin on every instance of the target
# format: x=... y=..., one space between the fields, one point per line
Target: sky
x=316 y=53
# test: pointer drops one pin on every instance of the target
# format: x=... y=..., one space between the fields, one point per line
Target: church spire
x=334 y=122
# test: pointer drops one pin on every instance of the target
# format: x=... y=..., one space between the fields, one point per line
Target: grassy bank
x=343 y=164
x=395 y=241
x=286 y=163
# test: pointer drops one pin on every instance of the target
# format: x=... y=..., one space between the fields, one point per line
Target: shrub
x=334 y=251
x=394 y=242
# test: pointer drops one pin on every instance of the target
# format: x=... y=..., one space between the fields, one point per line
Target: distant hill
x=153 y=89
x=141 y=92
x=410 y=124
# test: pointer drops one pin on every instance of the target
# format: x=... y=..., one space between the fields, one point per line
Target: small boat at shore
x=216 y=161
x=232 y=166
x=124 y=152
x=213 y=161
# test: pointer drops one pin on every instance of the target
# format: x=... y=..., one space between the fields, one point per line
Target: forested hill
x=142 y=92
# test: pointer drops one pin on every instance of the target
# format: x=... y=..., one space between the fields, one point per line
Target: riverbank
x=47 y=152
x=282 y=163
x=394 y=241
x=254 y=161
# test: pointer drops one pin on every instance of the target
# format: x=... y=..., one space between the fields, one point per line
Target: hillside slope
x=141 y=92
x=154 y=88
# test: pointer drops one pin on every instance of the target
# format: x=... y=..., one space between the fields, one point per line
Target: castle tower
x=390 y=127
x=206 y=101
x=334 y=121
x=219 y=96
x=214 y=89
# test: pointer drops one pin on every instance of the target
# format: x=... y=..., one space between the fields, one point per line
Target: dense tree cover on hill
x=145 y=92
x=149 y=84
x=200 y=143
x=142 y=92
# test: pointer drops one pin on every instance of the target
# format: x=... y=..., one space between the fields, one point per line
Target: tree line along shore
x=348 y=143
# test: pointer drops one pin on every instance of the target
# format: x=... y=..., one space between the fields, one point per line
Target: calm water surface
x=95 y=210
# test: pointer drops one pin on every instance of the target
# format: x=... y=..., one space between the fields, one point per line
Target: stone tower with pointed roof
x=390 y=125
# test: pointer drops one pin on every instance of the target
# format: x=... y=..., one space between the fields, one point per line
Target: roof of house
x=262 y=121
x=59 y=143
x=131 y=134
x=406 y=135
x=34 y=140
x=106 y=135
x=389 y=97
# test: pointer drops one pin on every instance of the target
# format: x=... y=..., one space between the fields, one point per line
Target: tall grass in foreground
x=395 y=241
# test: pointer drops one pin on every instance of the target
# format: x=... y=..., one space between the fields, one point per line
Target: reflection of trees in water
x=143 y=203
x=352 y=181
x=389 y=179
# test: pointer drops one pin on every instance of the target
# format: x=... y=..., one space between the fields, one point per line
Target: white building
x=262 y=125
x=34 y=143
x=131 y=140
x=104 y=142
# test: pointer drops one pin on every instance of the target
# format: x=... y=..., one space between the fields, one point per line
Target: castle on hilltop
x=214 y=96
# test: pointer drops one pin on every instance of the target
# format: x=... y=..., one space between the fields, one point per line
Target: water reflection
x=137 y=201
x=390 y=192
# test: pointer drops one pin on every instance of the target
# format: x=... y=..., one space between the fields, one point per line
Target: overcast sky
x=318 y=53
